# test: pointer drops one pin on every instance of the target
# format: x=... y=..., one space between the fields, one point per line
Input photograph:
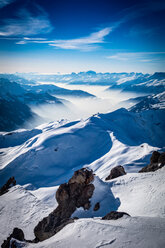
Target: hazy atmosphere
x=82 y=123
x=76 y=108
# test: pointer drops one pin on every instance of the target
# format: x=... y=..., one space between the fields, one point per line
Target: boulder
x=74 y=194
x=151 y=167
x=114 y=215
x=16 y=234
x=157 y=161
x=116 y=172
x=11 y=182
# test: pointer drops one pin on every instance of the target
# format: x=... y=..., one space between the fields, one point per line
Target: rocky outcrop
x=157 y=161
x=116 y=172
x=16 y=234
x=114 y=215
x=161 y=159
x=154 y=158
x=11 y=182
x=74 y=194
x=96 y=207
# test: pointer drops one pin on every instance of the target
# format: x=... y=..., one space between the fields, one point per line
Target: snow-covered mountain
x=144 y=83
x=35 y=87
x=155 y=101
x=132 y=82
x=126 y=81
x=89 y=77
x=58 y=91
x=10 y=90
x=59 y=149
x=43 y=158
x=15 y=101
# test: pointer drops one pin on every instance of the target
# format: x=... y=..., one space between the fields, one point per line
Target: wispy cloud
x=26 y=24
x=137 y=56
x=3 y=3
x=87 y=43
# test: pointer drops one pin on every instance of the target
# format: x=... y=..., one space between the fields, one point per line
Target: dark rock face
x=114 y=215
x=16 y=234
x=97 y=206
x=154 y=158
x=74 y=194
x=157 y=161
x=161 y=158
x=116 y=172
x=11 y=182
x=82 y=176
x=151 y=167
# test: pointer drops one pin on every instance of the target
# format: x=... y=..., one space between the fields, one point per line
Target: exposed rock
x=82 y=176
x=154 y=157
x=161 y=159
x=114 y=215
x=62 y=193
x=157 y=161
x=97 y=206
x=151 y=167
x=116 y=172
x=74 y=194
x=11 y=182
x=16 y=234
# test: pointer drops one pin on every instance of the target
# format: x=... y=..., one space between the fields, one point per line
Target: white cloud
x=138 y=56
x=85 y=43
x=26 y=24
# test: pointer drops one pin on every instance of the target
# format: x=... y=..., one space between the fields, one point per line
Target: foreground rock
x=74 y=194
x=5 y=188
x=114 y=215
x=10 y=242
x=157 y=161
x=116 y=172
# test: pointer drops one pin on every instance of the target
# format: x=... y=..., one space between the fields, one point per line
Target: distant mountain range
x=155 y=101
x=145 y=83
x=55 y=90
x=15 y=99
x=134 y=82
x=18 y=93
x=14 y=90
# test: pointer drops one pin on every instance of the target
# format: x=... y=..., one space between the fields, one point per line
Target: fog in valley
x=76 y=108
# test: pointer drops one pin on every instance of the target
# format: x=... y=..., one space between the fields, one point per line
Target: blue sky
x=50 y=36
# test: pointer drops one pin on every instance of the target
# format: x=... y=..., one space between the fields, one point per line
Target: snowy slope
x=156 y=101
x=137 y=194
x=49 y=155
x=48 y=158
x=19 y=207
x=95 y=233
